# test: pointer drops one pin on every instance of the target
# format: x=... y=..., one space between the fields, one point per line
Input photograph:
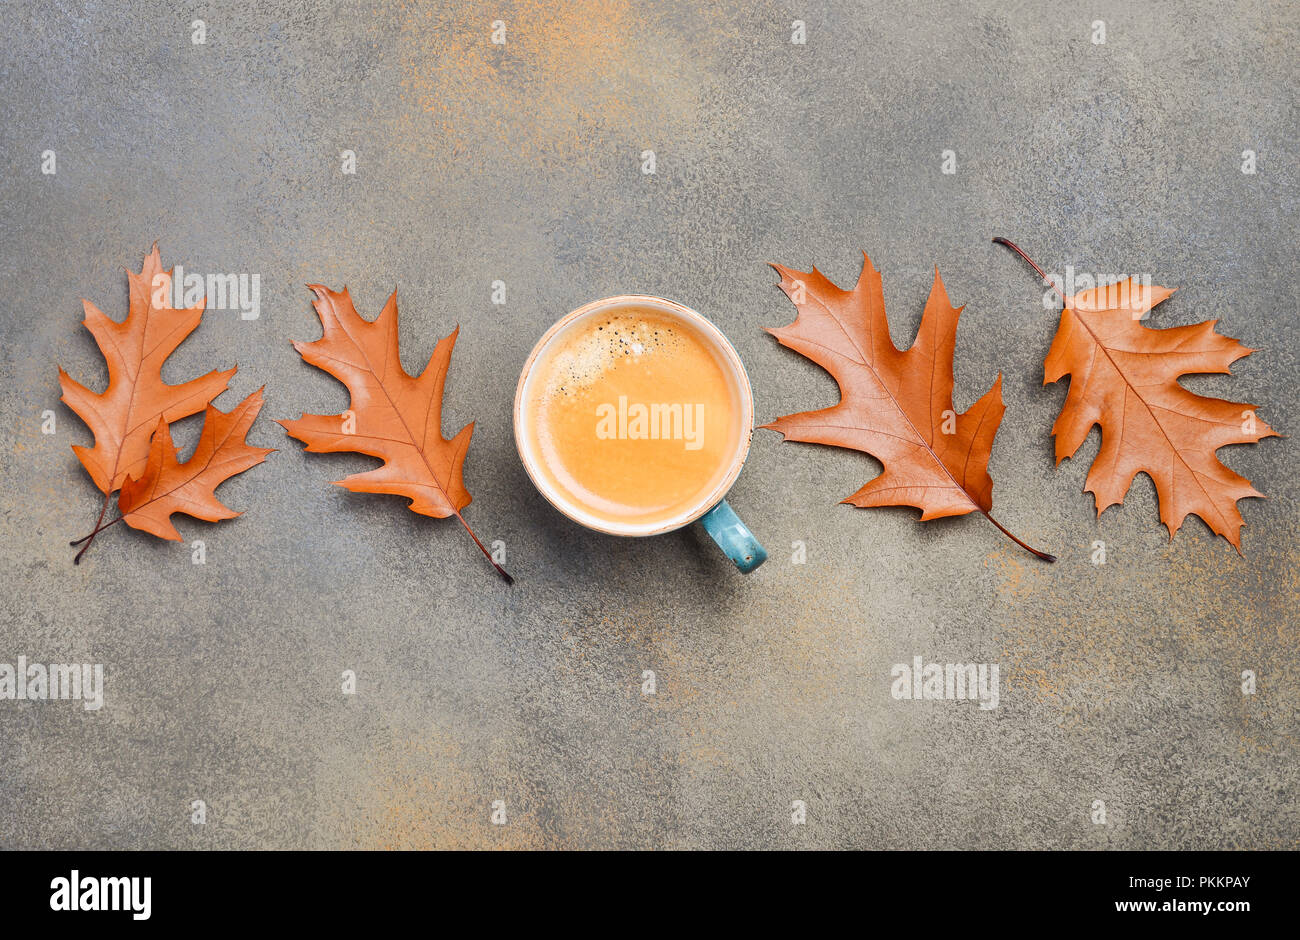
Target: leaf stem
x=1046 y=280
x=90 y=539
x=97 y=530
x=1016 y=248
x=486 y=554
x=1003 y=529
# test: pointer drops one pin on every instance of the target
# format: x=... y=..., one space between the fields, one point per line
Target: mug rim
x=746 y=418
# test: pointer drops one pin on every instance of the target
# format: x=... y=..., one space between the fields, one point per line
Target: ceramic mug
x=711 y=508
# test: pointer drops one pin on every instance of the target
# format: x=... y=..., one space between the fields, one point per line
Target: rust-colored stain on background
x=567 y=75
x=1114 y=626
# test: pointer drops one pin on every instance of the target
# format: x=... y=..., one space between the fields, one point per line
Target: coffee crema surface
x=634 y=415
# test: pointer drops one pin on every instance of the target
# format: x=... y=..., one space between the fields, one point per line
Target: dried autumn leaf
x=392 y=415
x=894 y=405
x=1124 y=378
x=167 y=486
x=123 y=417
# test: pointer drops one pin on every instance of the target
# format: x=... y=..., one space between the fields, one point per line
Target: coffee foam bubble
x=600 y=344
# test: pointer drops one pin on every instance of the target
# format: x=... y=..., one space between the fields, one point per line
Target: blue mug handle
x=734 y=537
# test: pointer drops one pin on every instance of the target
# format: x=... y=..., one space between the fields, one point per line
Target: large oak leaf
x=125 y=415
x=895 y=405
x=392 y=415
x=1124 y=378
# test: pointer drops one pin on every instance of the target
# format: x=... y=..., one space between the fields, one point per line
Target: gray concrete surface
x=475 y=163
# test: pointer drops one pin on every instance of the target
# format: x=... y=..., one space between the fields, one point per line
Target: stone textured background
x=477 y=163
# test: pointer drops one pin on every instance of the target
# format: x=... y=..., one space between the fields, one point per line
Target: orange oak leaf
x=1124 y=378
x=167 y=487
x=392 y=415
x=895 y=405
x=124 y=416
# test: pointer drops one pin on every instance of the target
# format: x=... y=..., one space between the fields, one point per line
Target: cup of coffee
x=633 y=416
